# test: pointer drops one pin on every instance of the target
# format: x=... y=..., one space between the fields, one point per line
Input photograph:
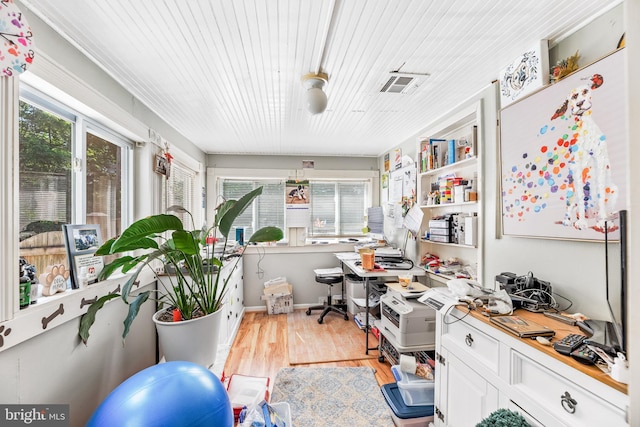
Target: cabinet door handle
x=568 y=402
x=469 y=340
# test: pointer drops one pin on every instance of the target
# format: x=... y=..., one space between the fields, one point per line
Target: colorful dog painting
x=591 y=191
x=563 y=156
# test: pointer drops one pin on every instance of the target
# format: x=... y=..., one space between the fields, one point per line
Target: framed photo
x=162 y=165
x=526 y=73
x=297 y=192
x=563 y=155
x=81 y=242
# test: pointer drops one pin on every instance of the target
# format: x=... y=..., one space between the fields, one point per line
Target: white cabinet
x=469 y=397
x=235 y=306
x=449 y=191
x=234 y=301
x=481 y=368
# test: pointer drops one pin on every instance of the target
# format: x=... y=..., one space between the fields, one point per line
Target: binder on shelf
x=451 y=151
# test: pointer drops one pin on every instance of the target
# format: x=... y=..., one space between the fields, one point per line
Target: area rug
x=334 y=340
x=332 y=397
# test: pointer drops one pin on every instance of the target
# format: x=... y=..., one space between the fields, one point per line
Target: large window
x=337 y=208
x=267 y=210
x=104 y=185
x=72 y=171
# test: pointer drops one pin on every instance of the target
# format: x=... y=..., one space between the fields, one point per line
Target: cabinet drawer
x=479 y=346
x=572 y=404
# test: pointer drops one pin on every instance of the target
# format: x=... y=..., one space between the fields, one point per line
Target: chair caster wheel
x=381 y=359
x=308 y=312
x=346 y=317
x=320 y=320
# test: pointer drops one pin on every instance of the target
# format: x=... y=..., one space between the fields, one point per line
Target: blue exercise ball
x=171 y=394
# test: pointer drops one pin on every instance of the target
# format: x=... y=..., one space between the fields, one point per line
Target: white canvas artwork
x=526 y=73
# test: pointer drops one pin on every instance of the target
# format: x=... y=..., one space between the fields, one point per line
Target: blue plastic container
x=415 y=391
x=404 y=415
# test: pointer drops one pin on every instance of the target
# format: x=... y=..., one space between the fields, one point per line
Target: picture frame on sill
x=525 y=74
x=563 y=154
x=81 y=242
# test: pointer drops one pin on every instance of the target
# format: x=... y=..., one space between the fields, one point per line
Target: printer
x=409 y=322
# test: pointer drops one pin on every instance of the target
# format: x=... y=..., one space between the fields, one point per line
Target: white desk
x=349 y=260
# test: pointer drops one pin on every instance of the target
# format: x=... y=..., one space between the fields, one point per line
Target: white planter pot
x=194 y=340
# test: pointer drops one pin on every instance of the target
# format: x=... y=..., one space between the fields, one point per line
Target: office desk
x=349 y=259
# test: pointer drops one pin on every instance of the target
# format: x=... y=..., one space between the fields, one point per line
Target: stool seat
x=329 y=280
x=329 y=306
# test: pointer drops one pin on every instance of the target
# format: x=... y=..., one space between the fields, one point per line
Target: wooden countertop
x=562 y=330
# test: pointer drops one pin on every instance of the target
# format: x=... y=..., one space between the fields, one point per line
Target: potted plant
x=195 y=289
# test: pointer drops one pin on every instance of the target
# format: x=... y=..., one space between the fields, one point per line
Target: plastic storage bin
x=415 y=391
x=355 y=289
x=244 y=390
x=284 y=411
x=403 y=415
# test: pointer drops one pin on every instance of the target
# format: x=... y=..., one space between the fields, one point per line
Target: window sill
x=309 y=246
x=52 y=311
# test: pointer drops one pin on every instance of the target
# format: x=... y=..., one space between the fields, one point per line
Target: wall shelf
x=447 y=168
x=448 y=205
x=463 y=125
x=457 y=245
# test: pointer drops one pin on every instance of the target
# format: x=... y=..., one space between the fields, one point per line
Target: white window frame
x=11 y=93
x=81 y=126
x=295 y=235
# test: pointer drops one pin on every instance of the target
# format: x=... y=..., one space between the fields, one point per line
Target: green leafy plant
x=504 y=418
x=195 y=289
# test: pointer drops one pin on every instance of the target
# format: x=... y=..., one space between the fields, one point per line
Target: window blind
x=337 y=207
x=180 y=190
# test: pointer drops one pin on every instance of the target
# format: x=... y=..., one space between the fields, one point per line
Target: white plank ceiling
x=226 y=74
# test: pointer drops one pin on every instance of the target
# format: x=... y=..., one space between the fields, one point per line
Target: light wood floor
x=260 y=349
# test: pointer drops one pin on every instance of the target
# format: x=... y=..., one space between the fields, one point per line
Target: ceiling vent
x=404 y=83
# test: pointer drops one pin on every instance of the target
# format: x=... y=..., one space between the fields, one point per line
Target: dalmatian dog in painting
x=591 y=191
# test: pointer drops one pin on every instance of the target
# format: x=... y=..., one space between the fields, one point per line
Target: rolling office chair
x=329 y=306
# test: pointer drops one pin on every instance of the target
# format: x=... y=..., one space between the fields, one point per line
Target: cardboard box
x=282 y=288
x=279 y=303
x=276 y=281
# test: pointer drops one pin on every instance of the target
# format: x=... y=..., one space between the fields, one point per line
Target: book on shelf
x=451 y=152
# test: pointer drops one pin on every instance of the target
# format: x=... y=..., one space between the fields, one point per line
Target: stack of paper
x=326 y=272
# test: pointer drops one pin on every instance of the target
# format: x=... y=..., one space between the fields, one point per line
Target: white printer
x=409 y=322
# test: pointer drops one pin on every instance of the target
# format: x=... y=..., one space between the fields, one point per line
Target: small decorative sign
x=162 y=165
x=54 y=279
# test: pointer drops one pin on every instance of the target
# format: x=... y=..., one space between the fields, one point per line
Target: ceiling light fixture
x=316 y=99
